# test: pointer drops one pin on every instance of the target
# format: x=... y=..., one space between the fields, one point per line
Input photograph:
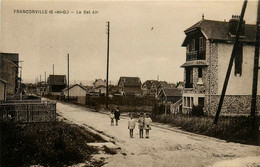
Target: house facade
x=209 y=45
x=9 y=65
x=75 y=91
x=56 y=83
x=130 y=86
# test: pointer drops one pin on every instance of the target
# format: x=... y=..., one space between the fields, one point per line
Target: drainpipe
x=210 y=62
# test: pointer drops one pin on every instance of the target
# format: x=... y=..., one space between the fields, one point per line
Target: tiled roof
x=57 y=80
x=219 y=30
x=172 y=92
x=130 y=81
x=82 y=87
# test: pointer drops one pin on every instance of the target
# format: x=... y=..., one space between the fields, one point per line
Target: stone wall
x=232 y=104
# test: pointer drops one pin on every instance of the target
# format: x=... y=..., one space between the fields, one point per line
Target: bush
x=234 y=129
x=47 y=144
x=197 y=111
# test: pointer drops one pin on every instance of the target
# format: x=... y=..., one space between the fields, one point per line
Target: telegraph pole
x=256 y=68
x=68 y=77
x=108 y=32
x=230 y=62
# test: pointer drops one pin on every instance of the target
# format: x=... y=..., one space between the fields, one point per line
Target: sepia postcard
x=130 y=83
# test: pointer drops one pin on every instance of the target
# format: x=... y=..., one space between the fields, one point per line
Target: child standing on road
x=131 y=125
x=112 y=116
x=147 y=125
x=141 y=125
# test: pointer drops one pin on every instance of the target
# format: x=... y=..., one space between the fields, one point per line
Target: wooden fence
x=24 y=111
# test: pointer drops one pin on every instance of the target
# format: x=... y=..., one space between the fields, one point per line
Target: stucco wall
x=238 y=85
x=76 y=91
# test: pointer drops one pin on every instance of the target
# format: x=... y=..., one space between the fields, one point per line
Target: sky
x=145 y=36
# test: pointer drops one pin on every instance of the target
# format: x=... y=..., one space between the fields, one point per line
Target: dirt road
x=166 y=146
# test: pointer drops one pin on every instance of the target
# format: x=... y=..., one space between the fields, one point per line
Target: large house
x=130 y=85
x=56 y=83
x=9 y=69
x=209 y=45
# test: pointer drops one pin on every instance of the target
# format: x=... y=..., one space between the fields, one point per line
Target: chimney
x=233 y=25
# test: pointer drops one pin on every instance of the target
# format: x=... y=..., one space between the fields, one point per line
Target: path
x=165 y=147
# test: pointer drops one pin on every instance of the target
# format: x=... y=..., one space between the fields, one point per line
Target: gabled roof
x=74 y=86
x=157 y=83
x=219 y=30
x=57 y=80
x=148 y=83
x=169 y=92
x=130 y=81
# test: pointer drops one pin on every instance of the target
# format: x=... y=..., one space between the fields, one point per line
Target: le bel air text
x=86 y=12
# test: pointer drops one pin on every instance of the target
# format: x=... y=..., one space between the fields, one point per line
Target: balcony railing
x=195 y=55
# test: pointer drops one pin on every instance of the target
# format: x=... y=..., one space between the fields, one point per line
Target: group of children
x=143 y=123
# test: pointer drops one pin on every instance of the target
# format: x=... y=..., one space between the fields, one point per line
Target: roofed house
x=155 y=85
x=56 y=83
x=209 y=45
x=146 y=87
x=75 y=90
x=170 y=95
x=9 y=65
x=130 y=85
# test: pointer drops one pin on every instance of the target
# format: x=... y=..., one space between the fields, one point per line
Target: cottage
x=75 y=91
x=154 y=87
x=146 y=87
x=130 y=85
x=209 y=45
x=56 y=83
x=170 y=95
x=9 y=64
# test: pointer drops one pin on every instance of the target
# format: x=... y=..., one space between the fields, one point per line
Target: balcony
x=195 y=55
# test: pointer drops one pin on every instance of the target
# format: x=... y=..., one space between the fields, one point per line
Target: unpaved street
x=166 y=146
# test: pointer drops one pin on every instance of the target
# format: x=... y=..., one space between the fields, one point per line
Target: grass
x=231 y=129
x=47 y=144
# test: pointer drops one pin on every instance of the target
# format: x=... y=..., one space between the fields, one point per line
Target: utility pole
x=256 y=68
x=230 y=62
x=108 y=32
x=45 y=84
x=68 y=77
x=52 y=77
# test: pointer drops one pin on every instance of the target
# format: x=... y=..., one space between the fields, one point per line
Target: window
x=201 y=102
x=239 y=59
x=193 y=45
x=187 y=48
x=202 y=44
x=189 y=77
x=200 y=72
